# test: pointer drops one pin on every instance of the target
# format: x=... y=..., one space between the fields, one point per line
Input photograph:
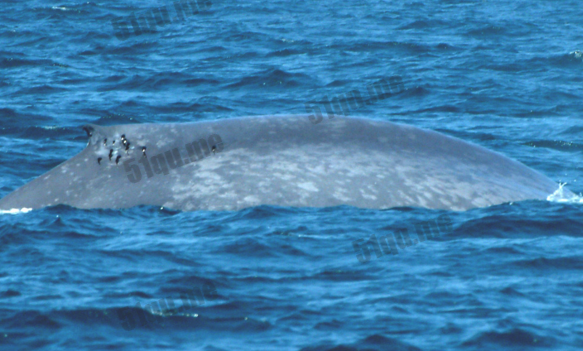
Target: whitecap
x=560 y=196
x=15 y=211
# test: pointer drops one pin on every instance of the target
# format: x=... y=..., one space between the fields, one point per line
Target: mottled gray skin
x=286 y=161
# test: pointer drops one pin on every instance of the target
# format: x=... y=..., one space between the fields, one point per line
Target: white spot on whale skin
x=251 y=199
x=309 y=186
x=342 y=197
x=369 y=197
x=286 y=177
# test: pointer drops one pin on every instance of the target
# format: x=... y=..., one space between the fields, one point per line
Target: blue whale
x=231 y=164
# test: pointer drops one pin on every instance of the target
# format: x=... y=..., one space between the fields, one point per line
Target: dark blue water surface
x=504 y=75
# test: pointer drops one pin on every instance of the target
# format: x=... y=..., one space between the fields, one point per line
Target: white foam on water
x=560 y=196
x=16 y=211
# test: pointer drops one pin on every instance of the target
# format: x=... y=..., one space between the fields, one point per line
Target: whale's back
x=285 y=161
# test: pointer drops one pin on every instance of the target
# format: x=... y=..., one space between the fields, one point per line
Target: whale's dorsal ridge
x=88 y=128
x=110 y=138
x=96 y=132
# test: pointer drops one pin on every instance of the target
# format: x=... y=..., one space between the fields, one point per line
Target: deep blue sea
x=504 y=75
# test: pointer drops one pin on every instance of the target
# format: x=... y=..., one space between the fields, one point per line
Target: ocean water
x=504 y=75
